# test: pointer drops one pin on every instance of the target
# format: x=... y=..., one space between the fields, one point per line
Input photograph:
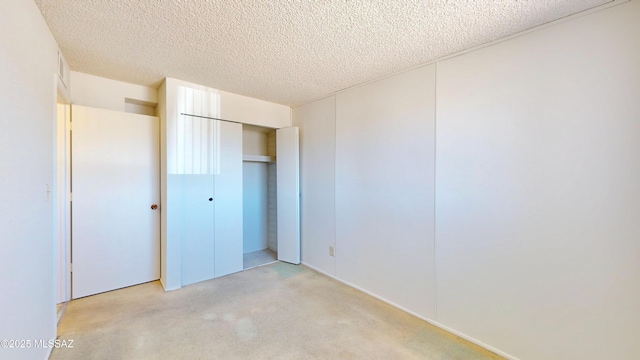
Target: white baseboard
x=430 y=321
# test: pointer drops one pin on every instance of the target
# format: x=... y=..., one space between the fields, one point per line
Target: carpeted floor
x=277 y=311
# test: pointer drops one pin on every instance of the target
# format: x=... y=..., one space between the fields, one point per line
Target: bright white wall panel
x=171 y=189
x=384 y=188
x=317 y=124
x=29 y=57
x=537 y=202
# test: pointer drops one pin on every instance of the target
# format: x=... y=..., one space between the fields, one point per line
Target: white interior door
x=115 y=181
x=288 y=198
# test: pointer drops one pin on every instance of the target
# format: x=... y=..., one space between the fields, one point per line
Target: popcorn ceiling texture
x=287 y=52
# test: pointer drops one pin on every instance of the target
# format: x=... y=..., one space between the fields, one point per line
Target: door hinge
x=70 y=267
x=70 y=197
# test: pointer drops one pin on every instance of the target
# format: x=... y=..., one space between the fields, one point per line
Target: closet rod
x=211 y=118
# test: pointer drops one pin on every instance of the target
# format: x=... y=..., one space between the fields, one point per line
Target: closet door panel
x=197 y=250
x=288 y=194
x=194 y=165
x=228 y=199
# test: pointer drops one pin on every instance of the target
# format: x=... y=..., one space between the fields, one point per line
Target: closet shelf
x=258 y=158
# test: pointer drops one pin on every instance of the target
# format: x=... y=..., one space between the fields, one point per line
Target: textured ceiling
x=284 y=51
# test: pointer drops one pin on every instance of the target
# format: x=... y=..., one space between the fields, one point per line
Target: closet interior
x=259 y=196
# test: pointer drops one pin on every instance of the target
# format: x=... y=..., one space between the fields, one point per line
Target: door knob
x=210 y=199
x=154 y=206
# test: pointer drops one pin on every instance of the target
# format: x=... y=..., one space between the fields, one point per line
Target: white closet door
x=196 y=166
x=197 y=214
x=228 y=201
x=115 y=179
x=288 y=189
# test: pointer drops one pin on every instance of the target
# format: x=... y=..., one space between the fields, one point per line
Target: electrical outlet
x=331 y=251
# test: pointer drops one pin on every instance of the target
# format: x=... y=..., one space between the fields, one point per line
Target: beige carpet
x=278 y=311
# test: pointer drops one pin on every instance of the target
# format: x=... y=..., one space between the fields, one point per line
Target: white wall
x=317 y=124
x=537 y=168
x=254 y=140
x=29 y=55
x=243 y=109
x=538 y=171
x=98 y=92
x=168 y=258
x=384 y=188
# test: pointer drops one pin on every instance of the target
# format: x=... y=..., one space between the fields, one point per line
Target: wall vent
x=63 y=70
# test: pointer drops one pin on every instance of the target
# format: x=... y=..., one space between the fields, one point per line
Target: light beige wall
x=538 y=166
x=28 y=87
x=317 y=123
x=98 y=92
x=254 y=140
x=384 y=188
x=536 y=190
x=244 y=109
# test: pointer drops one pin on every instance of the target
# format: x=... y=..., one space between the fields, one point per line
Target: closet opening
x=259 y=196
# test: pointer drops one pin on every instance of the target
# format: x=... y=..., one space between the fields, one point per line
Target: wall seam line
x=335 y=157
x=435 y=129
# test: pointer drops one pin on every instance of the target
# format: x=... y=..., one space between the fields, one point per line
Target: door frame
x=61 y=198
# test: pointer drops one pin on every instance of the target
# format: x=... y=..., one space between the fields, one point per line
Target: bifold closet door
x=211 y=199
x=197 y=215
x=196 y=154
x=288 y=194
x=228 y=201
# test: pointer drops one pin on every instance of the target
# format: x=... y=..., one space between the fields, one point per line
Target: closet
x=271 y=226
x=205 y=178
x=224 y=185
x=260 y=241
